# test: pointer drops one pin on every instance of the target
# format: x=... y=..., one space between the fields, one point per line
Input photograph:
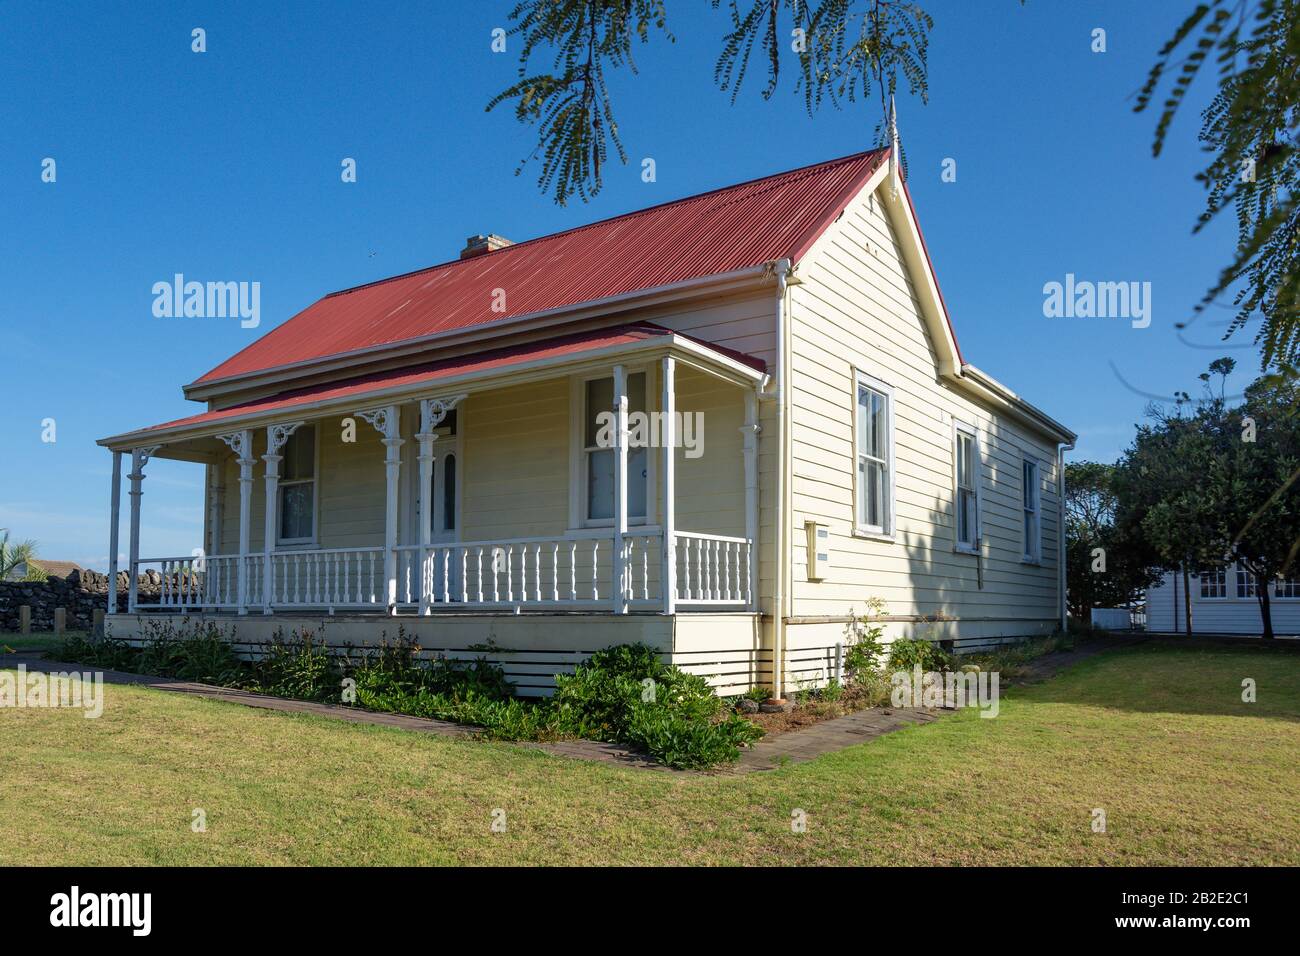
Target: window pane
x=600 y=398
x=964 y=461
x=600 y=463
x=295 y=510
x=862 y=491
x=600 y=483
x=300 y=454
x=864 y=421
x=449 y=493
x=635 y=392
x=636 y=483
x=966 y=517
x=875 y=495
x=879 y=426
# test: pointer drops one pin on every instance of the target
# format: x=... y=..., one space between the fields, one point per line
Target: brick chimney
x=478 y=245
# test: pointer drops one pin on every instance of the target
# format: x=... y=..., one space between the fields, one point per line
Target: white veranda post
x=241 y=443
x=276 y=437
x=668 y=443
x=618 y=578
x=433 y=411
x=139 y=458
x=750 y=432
x=387 y=421
x=114 y=506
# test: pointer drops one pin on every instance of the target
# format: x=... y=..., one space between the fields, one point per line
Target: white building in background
x=1223 y=602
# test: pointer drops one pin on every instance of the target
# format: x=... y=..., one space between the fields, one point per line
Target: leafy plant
x=298 y=666
x=864 y=636
x=19 y=553
x=905 y=653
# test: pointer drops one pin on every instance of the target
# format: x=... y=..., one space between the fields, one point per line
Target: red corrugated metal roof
x=564 y=346
x=717 y=232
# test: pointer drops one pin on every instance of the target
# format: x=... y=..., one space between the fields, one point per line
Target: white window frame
x=885 y=532
x=1203 y=576
x=578 y=519
x=1244 y=580
x=1280 y=583
x=1031 y=504
x=312 y=540
x=961 y=428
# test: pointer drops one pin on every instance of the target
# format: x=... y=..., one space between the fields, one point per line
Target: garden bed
x=623 y=694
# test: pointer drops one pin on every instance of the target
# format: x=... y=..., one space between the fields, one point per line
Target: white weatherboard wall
x=1230 y=615
x=855 y=309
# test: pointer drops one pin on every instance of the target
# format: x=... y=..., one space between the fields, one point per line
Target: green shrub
x=596 y=701
x=198 y=653
x=865 y=648
x=678 y=740
x=298 y=666
x=626 y=694
x=110 y=654
x=906 y=652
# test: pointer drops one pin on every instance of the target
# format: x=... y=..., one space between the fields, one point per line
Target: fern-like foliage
x=846 y=50
x=570 y=103
x=1250 y=131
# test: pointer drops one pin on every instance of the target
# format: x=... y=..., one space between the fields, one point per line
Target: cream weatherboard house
x=426 y=451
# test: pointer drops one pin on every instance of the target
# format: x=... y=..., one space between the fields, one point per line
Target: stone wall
x=79 y=593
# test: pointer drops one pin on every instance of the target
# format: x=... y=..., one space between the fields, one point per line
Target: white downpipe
x=781 y=564
x=1060 y=532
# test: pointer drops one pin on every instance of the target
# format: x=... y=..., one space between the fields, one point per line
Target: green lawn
x=1158 y=738
x=36 y=641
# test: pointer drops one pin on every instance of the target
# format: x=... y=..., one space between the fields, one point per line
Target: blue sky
x=225 y=165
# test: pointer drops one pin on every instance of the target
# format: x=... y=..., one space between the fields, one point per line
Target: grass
x=1156 y=736
x=36 y=641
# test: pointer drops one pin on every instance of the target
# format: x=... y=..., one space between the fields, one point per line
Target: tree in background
x=1249 y=131
x=1168 y=485
x=12 y=555
x=1207 y=484
x=1106 y=566
x=1257 y=485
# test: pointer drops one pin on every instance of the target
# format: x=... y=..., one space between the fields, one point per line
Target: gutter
x=688 y=351
x=998 y=394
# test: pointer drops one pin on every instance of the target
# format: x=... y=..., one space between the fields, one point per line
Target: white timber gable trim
x=886 y=192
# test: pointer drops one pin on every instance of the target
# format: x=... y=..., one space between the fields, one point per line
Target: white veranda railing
x=567 y=571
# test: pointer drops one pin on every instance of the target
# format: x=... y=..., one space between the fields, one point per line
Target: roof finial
x=895 y=155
